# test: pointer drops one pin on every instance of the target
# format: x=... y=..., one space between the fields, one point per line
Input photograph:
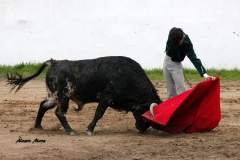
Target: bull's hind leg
x=45 y=105
x=61 y=113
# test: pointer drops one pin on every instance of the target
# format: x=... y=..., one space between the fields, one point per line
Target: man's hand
x=211 y=78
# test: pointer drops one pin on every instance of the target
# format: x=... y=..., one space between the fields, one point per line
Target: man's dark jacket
x=178 y=53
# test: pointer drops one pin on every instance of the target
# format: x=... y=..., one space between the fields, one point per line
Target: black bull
x=118 y=82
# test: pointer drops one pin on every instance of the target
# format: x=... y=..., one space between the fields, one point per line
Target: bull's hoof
x=141 y=132
x=77 y=109
x=39 y=127
x=72 y=133
x=33 y=129
x=90 y=133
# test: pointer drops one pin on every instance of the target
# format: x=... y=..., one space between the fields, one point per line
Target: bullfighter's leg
x=45 y=105
x=61 y=113
x=101 y=108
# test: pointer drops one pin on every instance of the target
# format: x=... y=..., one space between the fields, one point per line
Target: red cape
x=195 y=110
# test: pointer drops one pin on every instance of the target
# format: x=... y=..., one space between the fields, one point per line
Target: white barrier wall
x=34 y=31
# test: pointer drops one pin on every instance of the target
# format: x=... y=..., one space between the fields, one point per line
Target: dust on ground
x=115 y=134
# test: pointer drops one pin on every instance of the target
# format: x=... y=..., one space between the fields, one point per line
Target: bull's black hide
x=118 y=82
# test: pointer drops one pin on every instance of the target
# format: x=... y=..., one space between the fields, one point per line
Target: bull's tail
x=16 y=80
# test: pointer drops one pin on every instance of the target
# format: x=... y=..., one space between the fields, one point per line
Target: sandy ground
x=115 y=134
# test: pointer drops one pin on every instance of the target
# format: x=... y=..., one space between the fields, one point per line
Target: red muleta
x=195 y=110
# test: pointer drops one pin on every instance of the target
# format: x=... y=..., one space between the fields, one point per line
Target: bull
x=115 y=81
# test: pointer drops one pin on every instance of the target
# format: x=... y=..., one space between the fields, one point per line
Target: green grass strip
x=27 y=69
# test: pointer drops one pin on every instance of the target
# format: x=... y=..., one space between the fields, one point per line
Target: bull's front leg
x=61 y=114
x=101 y=108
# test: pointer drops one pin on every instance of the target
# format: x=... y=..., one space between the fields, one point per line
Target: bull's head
x=138 y=110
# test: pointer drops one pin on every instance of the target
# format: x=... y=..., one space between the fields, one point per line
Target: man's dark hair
x=175 y=35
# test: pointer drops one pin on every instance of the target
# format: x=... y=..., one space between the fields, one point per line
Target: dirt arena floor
x=115 y=134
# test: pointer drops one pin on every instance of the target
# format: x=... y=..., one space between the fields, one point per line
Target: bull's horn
x=151 y=108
